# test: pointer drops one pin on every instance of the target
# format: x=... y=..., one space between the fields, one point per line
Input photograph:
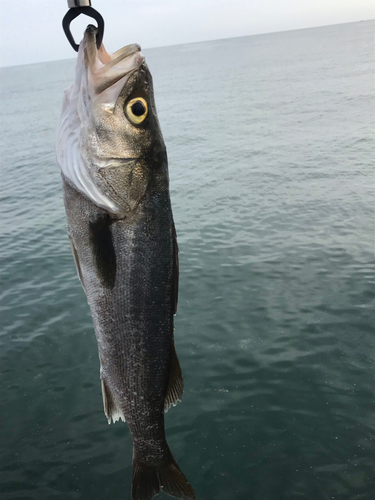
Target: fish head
x=120 y=146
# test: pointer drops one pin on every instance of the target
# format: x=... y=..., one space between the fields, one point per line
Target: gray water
x=270 y=152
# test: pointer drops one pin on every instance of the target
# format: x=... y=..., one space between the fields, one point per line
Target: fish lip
x=91 y=28
x=102 y=56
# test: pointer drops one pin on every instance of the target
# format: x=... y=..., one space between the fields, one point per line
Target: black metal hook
x=75 y=12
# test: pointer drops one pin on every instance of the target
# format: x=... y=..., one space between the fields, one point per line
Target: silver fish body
x=121 y=230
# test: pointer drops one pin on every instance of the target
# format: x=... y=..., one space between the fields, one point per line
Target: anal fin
x=176 y=384
x=111 y=410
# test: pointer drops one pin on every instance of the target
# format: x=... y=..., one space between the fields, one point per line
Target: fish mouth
x=108 y=70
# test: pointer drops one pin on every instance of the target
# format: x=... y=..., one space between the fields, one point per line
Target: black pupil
x=138 y=108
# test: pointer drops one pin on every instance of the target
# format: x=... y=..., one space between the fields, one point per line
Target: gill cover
x=99 y=79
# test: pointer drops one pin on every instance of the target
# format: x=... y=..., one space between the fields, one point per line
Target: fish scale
x=122 y=234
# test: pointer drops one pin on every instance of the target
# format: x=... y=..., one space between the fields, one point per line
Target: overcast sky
x=30 y=30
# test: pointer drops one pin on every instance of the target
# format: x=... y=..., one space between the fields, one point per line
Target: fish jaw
x=107 y=73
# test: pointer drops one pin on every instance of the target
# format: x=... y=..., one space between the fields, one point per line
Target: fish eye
x=137 y=110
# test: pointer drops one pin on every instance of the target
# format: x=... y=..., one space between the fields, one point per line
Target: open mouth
x=106 y=70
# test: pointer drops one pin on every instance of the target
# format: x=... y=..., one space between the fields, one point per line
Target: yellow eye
x=137 y=110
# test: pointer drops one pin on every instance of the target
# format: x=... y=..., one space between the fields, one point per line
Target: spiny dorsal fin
x=111 y=410
x=176 y=384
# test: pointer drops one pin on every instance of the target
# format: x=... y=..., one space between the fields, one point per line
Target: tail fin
x=149 y=480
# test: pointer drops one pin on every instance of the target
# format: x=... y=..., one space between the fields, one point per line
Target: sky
x=30 y=30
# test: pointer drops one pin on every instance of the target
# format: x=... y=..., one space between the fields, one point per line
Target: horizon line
x=205 y=41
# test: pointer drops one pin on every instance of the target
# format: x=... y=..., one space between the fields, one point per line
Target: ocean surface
x=271 y=150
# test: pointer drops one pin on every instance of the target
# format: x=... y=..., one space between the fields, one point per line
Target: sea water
x=270 y=147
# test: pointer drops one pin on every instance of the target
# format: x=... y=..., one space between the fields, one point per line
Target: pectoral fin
x=104 y=252
x=176 y=384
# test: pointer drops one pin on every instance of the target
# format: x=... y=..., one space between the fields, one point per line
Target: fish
x=115 y=179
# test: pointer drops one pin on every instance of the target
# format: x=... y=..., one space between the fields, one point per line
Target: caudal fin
x=148 y=481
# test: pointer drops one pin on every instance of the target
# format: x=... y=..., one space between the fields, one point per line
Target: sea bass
x=120 y=224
